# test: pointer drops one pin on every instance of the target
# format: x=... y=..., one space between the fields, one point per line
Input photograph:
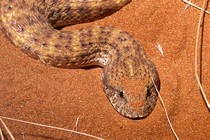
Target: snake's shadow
x=91 y=67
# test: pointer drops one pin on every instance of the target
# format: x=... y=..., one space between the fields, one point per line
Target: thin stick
x=9 y=132
x=190 y=3
x=196 y=54
x=52 y=127
x=161 y=100
x=1 y=134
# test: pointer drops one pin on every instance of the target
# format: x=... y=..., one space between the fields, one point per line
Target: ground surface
x=35 y=92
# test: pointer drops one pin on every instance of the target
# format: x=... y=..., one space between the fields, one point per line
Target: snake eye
x=121 y=93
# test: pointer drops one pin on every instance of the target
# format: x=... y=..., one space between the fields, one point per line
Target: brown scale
x=30 y=25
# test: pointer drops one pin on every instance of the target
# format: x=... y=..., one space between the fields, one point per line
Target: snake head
x=133 y=96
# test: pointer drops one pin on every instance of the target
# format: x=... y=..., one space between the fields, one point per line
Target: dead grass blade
x=161 y=100
x=205 y=3
x=52 y=127
x=8 y=131
x=191 y=4
x=160 y=49
x=1 y=135
x=76 y=125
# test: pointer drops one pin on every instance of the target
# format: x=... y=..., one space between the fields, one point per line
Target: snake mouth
x=137 y=112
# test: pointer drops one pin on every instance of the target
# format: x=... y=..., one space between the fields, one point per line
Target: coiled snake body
x=29 y=25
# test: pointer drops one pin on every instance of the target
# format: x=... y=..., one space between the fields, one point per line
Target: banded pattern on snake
x=30 y=25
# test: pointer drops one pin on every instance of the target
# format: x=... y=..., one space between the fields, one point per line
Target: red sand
x=35 y=92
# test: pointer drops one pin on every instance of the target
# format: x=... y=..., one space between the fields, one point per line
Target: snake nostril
x=149 y=92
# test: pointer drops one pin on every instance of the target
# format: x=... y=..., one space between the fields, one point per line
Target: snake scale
x=31 y=25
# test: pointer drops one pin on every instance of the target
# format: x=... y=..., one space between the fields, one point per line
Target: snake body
x=30 y=25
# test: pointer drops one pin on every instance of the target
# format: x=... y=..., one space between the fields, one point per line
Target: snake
x=129 y=79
